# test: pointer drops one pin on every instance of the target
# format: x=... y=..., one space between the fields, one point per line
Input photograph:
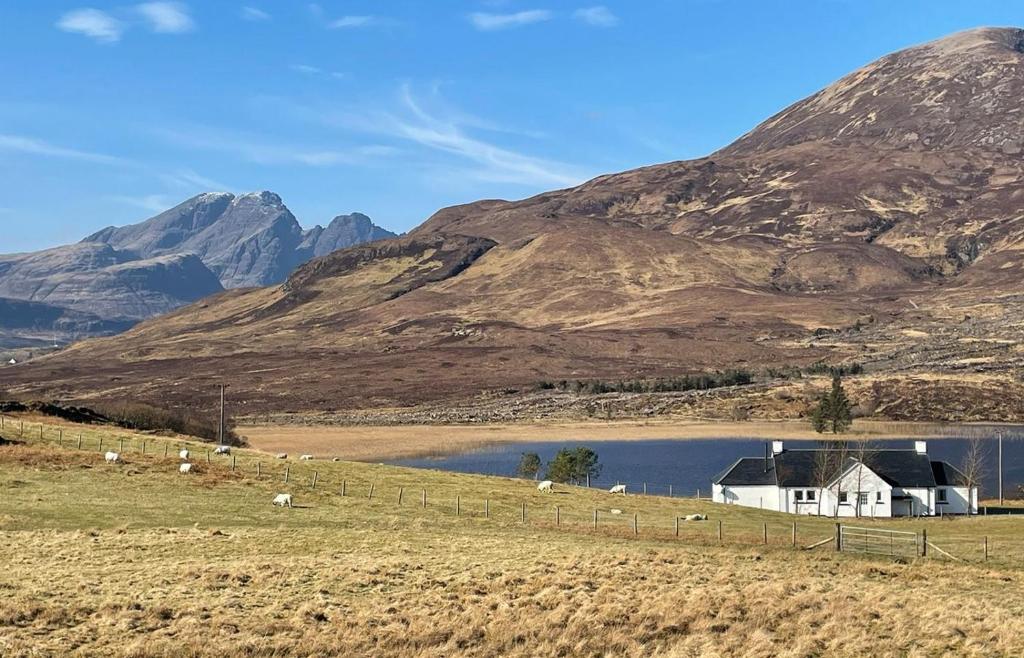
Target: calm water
x=688 y=465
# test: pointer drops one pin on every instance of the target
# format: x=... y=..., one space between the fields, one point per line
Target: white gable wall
x=758 y=496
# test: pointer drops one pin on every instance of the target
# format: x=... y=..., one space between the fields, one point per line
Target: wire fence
x=612 y=519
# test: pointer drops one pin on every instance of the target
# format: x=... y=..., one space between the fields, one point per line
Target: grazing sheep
x=183 y=454
x=282 y=455
x=619 y=488
x=222 y=450
x=185 y=468
x=695 y=517
x=336 y=459
x=112 y=457
x=306 y=458
x=546 y=486
x=284 y=500
x=616 y=511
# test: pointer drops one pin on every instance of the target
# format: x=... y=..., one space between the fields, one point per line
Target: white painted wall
x=958 y=501
x=760 y=497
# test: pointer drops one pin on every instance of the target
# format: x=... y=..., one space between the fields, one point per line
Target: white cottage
x=890 y=482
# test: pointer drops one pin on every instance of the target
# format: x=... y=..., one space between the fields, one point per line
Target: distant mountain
x=248 y=240
x=878 y=221
x=121 y=275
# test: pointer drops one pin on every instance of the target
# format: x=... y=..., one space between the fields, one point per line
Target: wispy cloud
x=307 y=69
x=154 y=203
x=92 y=23
x=352 y=21
x=166 y=17
x=254 y=14
x=599 y=16
x=186 y=179
x=32 y=146
x=489 y=22
x=253 y=149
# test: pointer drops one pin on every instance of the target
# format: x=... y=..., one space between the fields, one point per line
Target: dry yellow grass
x=370 y=442
x=135 y=560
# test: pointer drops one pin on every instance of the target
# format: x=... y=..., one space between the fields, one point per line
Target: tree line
x=569 y=465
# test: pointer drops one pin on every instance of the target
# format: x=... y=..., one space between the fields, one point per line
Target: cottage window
x=862 y=498
x=843 y=497
x=810 y=496
x=878 y=496
x=941 y=495
x=798 y=495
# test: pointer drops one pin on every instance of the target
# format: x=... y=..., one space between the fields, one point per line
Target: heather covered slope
x=877 y=221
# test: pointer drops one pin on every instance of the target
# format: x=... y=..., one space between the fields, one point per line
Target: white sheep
x=112 y=457
x=306 y=458
x=183 y=455
x=222 y=450
x=282 y=455
x=619 y=488
x=695 y=517
x=546 y=486
x=284 y=500
x=185 y=468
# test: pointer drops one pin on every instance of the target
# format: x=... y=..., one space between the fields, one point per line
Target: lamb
x=284 y=500
x=222 y=450
x=282 y=455
x=112 y=457
x=546 y=486
x=306 y=458
x=619 y=488
x=183 y=454
x=185 y=468
x=695 y=517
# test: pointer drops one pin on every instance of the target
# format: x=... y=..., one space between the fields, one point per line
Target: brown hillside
x=878 y=220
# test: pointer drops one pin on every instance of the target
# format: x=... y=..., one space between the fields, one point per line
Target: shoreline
x=389 y=442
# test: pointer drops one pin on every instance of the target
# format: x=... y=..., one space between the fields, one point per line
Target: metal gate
x=878 y=541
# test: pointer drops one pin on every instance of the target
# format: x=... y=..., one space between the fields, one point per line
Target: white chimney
x=921 y=447
x=776 y=447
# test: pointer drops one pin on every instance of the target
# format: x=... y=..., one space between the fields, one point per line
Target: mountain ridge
x=820 y=235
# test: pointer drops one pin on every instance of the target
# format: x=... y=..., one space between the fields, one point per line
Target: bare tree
x=864 y=452
x=825 y=468
x=972 y=469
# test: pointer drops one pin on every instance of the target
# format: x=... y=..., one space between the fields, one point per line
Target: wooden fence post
x=524 y=512
x=558 y=516
x=165 y=450
x=60 y=436
x=719 y=530
x=794 y=534
x=401 y=492
x=315 y=475
x=22 y=428
x=986 y=548
x=232 y=462
x=144 y=448
x=287 y=470
x=677 y=526
x=487 y=508
x=79 y=440
x=40 y=432
x=370 y=497
x=259 y=468
x=423 y=498
x=765 y=526
x=636 y=529
x=207 y=456
x=458 y=506
x=839 y=541
x=344 y=486
x=100 y=449
x=595 y=519
x=924 y=542
x=120 y=445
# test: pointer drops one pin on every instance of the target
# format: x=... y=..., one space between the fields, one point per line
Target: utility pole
x=1000 y=435
x=220 y=428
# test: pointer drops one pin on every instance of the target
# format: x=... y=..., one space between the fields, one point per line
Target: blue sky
x=110 y=112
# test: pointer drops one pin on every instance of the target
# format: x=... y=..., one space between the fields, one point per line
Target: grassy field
x=137 y=560
x=375 y=442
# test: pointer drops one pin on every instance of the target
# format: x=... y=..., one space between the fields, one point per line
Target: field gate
x=878 y=541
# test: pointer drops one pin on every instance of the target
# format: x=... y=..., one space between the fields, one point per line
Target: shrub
x=145 y=417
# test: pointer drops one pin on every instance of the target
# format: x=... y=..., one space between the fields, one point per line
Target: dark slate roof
x=795 y=468
x=947 y=475
x=748 y=471
x=902 y=468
